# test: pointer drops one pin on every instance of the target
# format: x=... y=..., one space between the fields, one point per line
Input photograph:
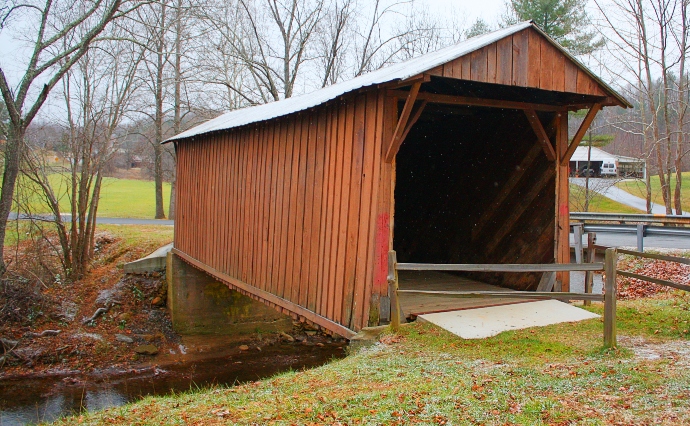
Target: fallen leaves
x=633 y=288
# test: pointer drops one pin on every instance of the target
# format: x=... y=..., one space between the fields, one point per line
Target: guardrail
x=638 y=224
x=625 y=218
x=544 y=290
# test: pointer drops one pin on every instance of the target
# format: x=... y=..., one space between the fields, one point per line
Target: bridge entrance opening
x=474 y=186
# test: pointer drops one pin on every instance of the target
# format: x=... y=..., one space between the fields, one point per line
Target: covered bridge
x=457 y=156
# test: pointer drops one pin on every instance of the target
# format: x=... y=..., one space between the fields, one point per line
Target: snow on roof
x=600 y=155
x=400 y=71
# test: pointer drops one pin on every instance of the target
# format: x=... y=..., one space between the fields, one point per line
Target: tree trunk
x=13 y=150
x=157 y=147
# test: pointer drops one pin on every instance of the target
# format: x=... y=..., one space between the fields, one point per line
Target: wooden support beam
x=481 y=102
x=542 y=137
x=397 y=139
x=509 y=294
x=580 y=133
x=517 y=211
x=411 y=122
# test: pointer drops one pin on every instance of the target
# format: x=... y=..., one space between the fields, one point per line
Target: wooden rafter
x=541 y=134
x=481 y=102
x=580 y=133
x=397 y=138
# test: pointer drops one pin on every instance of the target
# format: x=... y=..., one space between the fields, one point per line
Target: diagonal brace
x=580 y=133
x=397 y=139
x=543 y=138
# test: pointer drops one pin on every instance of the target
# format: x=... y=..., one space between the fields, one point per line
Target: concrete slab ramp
x=486 y=322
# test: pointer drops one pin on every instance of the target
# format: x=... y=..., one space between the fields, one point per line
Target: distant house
x=625 y=166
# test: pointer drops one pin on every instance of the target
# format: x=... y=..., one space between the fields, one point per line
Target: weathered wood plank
x=570 y=84
x=548 y=53
x=534 y=68
x=558 y=75
x=520 y=72
x=504 y=61
x=512 y=294
x=341 y=269
x=562 y=231
x=506 y=267
x=491 y=63
x=478 y=65
x=353 y=226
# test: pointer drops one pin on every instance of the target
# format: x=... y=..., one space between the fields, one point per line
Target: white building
x=624 y=166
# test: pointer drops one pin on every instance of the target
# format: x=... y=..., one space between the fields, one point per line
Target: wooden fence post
x=610 y=264
x=589 y=275
x=393 y=288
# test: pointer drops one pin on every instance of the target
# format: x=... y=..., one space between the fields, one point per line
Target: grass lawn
x=637 y=188
x=553 y=375
x=598 y=203
x=119 y=198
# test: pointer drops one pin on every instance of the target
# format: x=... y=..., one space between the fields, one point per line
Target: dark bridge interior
x=450 y=172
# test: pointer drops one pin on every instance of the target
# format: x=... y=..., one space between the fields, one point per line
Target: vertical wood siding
x=290 y=206
x=524 y=59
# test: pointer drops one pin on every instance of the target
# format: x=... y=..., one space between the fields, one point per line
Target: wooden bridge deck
x=418 y=304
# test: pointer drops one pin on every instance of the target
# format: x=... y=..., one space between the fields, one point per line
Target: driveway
x=607 y=188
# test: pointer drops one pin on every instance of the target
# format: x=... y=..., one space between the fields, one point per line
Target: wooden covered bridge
x=457 y=156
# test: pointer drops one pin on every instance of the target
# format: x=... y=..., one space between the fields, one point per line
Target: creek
x=214 y=362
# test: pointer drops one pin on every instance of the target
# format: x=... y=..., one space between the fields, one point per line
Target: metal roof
x=400 y=71
x=600 y=155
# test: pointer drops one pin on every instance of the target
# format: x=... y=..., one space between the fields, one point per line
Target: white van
x=609 y=167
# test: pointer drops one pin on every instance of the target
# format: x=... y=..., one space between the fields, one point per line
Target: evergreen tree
x=563 y=20
x=478 y=28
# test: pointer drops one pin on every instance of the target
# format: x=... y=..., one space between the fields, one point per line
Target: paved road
x=606 y=188
x=106 y=220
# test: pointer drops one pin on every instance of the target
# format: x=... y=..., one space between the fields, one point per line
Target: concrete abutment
x=200 y=304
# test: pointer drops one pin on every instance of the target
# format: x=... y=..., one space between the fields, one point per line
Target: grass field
x=598 y=203
x=119 y=198
x=552 y=375
x=637 y=188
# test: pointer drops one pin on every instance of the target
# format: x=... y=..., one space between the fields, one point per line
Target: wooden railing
x=609 y=297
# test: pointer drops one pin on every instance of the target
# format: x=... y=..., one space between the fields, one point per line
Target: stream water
x=44 y=399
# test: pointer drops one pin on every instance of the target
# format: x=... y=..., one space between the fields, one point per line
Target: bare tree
x=60 y=34
x=97 y=95
x=648 y=41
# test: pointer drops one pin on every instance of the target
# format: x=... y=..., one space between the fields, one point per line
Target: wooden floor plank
x=418 y=304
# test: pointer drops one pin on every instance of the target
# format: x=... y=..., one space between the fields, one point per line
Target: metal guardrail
x=609 y=297
x=638 y=224
x=625 y=218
